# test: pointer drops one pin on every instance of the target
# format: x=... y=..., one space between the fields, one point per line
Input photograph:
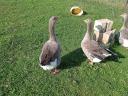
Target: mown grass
x=23 y=30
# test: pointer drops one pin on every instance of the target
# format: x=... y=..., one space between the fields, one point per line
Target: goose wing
x=98 y=51
x=48 y=53
x=124 y=33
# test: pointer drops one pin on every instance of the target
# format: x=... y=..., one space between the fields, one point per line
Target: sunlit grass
x=23 y=30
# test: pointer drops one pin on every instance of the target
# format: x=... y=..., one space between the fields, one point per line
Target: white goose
x=123 y=39
x=50 y=55
x=94 y=52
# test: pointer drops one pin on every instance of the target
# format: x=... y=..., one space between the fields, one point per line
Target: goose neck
x=52 y=30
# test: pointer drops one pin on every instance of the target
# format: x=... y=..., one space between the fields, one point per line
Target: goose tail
x=113 y=55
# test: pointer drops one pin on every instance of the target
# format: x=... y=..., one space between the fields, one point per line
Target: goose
x=103 y=32
x=91 y=48
x=50 y=54
x=105 y=38
x=123 y=38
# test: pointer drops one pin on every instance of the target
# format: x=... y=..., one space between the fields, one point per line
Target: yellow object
x=77 y=11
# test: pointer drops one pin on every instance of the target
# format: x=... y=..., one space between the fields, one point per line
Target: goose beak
x=122 y=15
x=54 y=18
x=85 y=21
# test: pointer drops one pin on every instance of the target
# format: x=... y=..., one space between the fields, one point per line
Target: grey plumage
x=123 y=38
x=94 y=52
x=51 y=49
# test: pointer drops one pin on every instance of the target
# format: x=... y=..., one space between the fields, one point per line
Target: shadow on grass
x=72 y=59
x=85 y=13
x=118 y=53
x=115 y=57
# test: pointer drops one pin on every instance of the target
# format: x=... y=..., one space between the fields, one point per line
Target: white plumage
x=50 y=66
x=125 y=42
x=96 y=60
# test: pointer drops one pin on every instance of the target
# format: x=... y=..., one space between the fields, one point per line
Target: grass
x=23 y=30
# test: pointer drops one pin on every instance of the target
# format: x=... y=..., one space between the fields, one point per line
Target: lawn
x=24 y=29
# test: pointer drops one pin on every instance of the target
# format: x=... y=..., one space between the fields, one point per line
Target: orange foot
x=90 y=62
x=55 y=71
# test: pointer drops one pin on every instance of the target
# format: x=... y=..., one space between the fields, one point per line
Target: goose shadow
x=85 y=13
x=72 y=59
x=115 y=58
x=118 y=53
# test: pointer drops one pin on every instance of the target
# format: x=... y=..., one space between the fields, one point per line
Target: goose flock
x=50 y=57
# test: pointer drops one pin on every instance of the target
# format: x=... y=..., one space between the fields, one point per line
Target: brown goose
x=94 y=52
x=123 y=39
x=50 y=55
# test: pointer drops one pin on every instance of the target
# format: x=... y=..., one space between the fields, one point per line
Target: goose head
x=124 y=15
x=53 y=19
x=90 y=24
x=88 y=21
x=125 y=18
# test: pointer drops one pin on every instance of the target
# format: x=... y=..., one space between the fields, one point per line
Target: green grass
x=23 y=30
